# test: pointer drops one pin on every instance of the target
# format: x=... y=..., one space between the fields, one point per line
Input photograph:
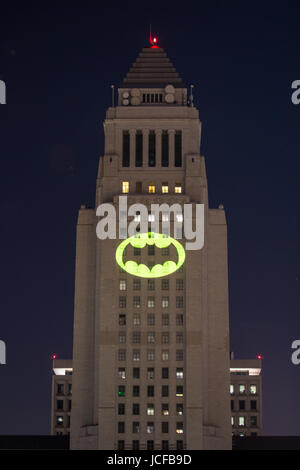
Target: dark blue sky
x=58 y=64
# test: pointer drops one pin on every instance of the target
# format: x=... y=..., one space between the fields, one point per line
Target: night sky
x=58 y=64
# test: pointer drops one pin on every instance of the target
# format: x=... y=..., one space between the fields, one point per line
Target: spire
x=152 y=69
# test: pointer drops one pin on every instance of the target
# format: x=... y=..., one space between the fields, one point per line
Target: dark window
x=126 y=148
x=136 y=391
x=165 y=149
x=165 y=445
x=121 y=409
x=232 y=405
x=164 y=391
x=151 y=148
x=165 y=427
x=139 y=148
x=135 y=409
x=136 y=373
x=138 y=187
x=60 y=389
x=121 y=445
x=135 y=427
x=253 y=404
x=165 y=373
x=59 y=404
x=179 y=445
x=121 y=391
x=137 y=251
x=122 y=319
x=121 y=427
x=151 y=250
x=150 y=445
x=150 y=391
x=253 y=420
x=135 y=445
x=242 y=404
x=178 y=149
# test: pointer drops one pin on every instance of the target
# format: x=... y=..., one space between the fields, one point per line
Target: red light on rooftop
x=154 y=40
x=259 y=356
x=53 y=356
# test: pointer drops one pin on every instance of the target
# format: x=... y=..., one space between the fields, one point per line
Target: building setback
x=151 y=356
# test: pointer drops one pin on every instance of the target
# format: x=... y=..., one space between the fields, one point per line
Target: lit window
x=241 y=420
x=179 y=391
x=151 y=188
x=231 y=389
x=232 y=420
x=122 y=337
x=165 y=409
x=178 y=188
x=125 y=187
x=136 y=355
x=150 y=427
x=164 y=188
x=151 y=337
x=150 y=355
x=179 y=428
x=253 y=389
x=165 y=302
x=165 y=355
x=59 y=420
x=179 y=373
x=136 y=319
x=151 y=302
x=122 y=373
x=150 y=373
x=242 y=389
x=179 y=409
x=121 y=391
x=150 y=409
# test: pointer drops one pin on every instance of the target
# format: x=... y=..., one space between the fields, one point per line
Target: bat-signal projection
x=158 y=270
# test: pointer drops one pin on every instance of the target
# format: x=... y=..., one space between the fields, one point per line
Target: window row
x=151 y=338
x=152 y=188
x=241 y=405
x=150 y=409
x=63 y=421
x=241 y=421
x=150 y=373
x=136 y=355
x=153 y=142
x=151 y=319
x=150 y=391
x=64 y=389
x=165 y=283
x=136 y=302
x=137 y=252
x=150 y=445
x=136 y=427
x=242 y=389
x=63 y=405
